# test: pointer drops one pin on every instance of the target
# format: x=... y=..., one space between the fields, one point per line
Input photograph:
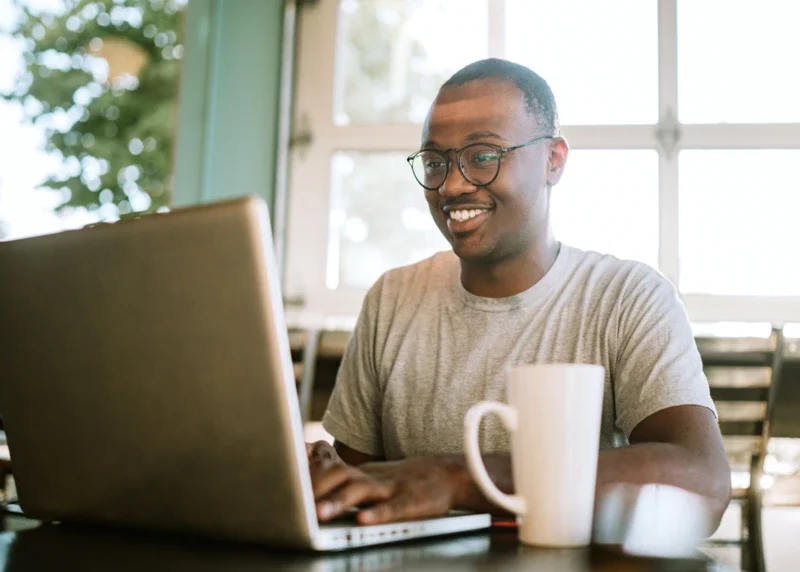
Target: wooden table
x=52 y=547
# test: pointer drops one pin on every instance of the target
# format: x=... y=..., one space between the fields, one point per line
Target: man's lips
x=464 y=219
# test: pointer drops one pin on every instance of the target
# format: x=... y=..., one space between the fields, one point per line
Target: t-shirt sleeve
x=657 y=361
x=353 y=416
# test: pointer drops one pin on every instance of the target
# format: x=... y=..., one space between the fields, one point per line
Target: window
x=741 y=205
x=594 y=208
x=681 y=123
x=737 y=60
x=597 y=77
x=370 y=233
x=394 y=54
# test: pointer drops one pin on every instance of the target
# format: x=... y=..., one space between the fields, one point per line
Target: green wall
x=229 y=101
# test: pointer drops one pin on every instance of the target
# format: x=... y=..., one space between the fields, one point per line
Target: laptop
x=147 y=383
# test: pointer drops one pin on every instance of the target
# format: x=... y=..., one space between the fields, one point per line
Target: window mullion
x=668 y=217
x=667 y=58
x=740 y=136
x=668 y=207
x=497 y=28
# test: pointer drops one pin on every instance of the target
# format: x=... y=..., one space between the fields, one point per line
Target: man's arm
x=354 y=409
x=679 y=446
x=351 y=456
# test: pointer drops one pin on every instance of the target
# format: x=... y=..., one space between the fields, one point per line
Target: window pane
x=607 y=201
x=737 y=61
x=600 y=58
x=378 y=220
x=738 y=222
x=394 y=55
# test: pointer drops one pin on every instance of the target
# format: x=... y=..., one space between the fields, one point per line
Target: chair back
x=785 y=421
x=744 y=374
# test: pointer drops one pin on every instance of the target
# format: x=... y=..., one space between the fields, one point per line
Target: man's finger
x=402 y=507
x=328 y=475
x=321 y=467
x=350 y=495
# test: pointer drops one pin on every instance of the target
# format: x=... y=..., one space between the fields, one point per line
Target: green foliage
x=116 y=139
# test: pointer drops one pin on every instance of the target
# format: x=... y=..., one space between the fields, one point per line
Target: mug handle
x=472 y=421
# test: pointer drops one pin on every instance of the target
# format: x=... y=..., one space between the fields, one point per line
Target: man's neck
x=510 y=276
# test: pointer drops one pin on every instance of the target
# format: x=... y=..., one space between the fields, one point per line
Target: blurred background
x=683 y=117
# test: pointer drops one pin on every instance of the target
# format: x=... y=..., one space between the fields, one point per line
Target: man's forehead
x=477 y=106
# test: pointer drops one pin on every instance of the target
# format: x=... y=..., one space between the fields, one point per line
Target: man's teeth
x=461 y=215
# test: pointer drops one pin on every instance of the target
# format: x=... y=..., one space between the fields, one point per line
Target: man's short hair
x=539 y=100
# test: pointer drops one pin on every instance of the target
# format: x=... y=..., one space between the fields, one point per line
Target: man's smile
x=464 y=219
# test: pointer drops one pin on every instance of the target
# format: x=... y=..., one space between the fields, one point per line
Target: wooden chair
x=744 y=375
x=330 y=351
x=5 y=474
x=785 y=422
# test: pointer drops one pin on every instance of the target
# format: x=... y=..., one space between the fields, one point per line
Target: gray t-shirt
x=424 y=350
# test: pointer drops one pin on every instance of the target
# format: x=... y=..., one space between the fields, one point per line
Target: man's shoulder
x=610 y=281
x=589 y=263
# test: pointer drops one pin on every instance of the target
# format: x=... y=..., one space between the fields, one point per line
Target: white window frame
x=307 y=238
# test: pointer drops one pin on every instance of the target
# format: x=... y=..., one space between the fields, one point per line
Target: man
x=435 y=337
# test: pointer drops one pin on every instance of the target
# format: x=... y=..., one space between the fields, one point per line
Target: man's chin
x=470 y=249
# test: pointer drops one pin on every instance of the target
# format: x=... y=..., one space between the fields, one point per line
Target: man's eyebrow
x=480 y=135
x=472 y=137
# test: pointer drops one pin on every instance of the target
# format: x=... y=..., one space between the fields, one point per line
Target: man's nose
x=455 y=184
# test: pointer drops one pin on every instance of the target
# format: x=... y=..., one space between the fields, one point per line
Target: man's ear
x=559 y=150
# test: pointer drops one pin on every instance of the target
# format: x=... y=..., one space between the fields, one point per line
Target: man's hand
x=322 y=451
x=403 y=490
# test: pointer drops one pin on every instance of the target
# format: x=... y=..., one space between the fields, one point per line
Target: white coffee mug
x=553 y=415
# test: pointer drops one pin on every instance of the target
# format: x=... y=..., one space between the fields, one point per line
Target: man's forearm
x=636 y=464
x=669 y=464
x=468 y=495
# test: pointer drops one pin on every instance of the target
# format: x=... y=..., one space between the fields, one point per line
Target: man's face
x=502 y=219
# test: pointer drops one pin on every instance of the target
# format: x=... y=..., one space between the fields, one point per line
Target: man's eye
x=432 y=165
x=484 y=158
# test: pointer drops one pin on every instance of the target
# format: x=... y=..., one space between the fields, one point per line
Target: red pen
x=504 y=523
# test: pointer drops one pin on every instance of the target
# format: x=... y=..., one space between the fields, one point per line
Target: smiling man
x=435 y=337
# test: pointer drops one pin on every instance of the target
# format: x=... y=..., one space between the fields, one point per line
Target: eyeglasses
x=479 y=163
